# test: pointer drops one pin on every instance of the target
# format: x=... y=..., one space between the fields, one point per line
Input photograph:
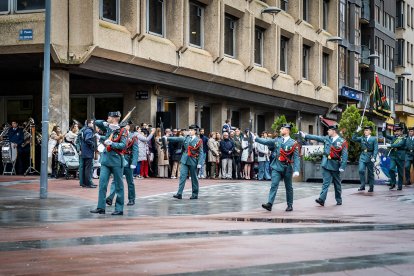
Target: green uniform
x=112 y=163
x=189 y=163
x=335 y=156
x=369 y=147
x=285 y=154
x=131 y=156
x=397 y=156
x=409 y=158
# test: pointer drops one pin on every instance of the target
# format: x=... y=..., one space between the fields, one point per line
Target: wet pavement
x=224 y=232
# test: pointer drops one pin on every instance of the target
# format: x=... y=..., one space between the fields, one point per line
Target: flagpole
x=365 y=108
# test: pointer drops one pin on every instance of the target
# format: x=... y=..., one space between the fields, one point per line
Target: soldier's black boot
x=289 y=208
x=177 y=196
x=267 y=206
x=392 y=186
x=98 y=211
x=108 y=201
x=371 y=189
x=361 y=189
x=320 y=201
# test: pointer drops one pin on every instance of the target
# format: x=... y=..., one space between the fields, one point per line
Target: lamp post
x=45 y=104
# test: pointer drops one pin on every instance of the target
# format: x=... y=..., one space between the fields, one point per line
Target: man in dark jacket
x=202 y=173
x=87 y=154
x=226 y=149
x=16 y=139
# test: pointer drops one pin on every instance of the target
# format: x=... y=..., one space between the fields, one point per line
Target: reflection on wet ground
x=19 y=208
x=318 y=266
x=116 y=239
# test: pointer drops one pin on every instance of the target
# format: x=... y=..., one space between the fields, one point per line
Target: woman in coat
x=263 y=159
x=55 y=138
x=247 y=155
x=163 y=156
x=213 y=154
x=177 y=152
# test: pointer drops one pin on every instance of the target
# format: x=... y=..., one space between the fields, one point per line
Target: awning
x=328 y=122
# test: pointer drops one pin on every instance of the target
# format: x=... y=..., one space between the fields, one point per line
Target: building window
x=409 y=98
x=408 y=52
x=400 y=52
x=400 y=14
x=109 y=10
x=391 y=63
x=29 y=5
x=325 y=14
x=408 y=16
x=155 y=17
x=400 y=91
x=196 y=25
x=356 y=71
x=356 y=26
x=305 y=61
x=230 y=36
x=325 y=68
x=4 y=7
x=412 y=52
x=284 y=54
x=342 y=19
x=342 y=66
x=284 y=4
x=258 y=46
x=305 y=10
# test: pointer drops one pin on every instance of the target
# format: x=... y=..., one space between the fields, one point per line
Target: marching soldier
x=396 y=153
x=191 y=160
x=409 y=155
x=335 y=156
x=286 y=152
x=131 y=156
x=369 y=146
x=112 y=161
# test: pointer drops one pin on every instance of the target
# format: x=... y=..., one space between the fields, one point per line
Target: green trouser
x=131 y=186
x=212 y=169
x=328 y=177
x=408 y=164
x=286 y=176
x=362 y=167
x=396 y=166
x=119 y=187
x=183 y=177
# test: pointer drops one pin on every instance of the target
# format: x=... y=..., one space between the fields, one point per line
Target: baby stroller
x=69 y=159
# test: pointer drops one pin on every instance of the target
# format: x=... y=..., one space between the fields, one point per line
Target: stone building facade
x=197 y=61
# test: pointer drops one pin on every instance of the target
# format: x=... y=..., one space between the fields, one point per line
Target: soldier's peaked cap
x=368 y=127
x=334 y=127
x=193 y=127
x=114 y=114
x=289 y=126
x=397 y=127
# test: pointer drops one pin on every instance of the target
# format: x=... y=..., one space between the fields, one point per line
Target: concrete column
x=218 y=116
x=145 y=109
x=245 y=116
x=186 y=112
x=59 y=100
x=269 y=119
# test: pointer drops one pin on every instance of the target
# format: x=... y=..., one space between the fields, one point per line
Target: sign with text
x=26 y=34
x=141 y=95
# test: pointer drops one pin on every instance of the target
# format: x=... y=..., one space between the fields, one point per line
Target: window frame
x=262 y=31
x=285 y=41
x=9 y=6
x=163 y=26
x=325 y=68
x=305 y=10
x=305 y=61
x=325 y=14
x=13 y=8
x=118 y=12
x=202 y=9
x=234 y=38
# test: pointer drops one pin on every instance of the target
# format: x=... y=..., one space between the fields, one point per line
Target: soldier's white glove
x=230 y=151
x=301 y=133
x=114 y=126
x=384 y=126
x=105 y=124
x=132 y=166
x=358 y=129
x=295 y=174
x=199 y=166
x=341 y=170
x=108 y=142
x=373 y=160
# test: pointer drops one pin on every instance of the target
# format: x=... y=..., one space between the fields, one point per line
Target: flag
x=379 y=100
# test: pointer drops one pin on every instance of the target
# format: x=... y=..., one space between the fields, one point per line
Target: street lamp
x=373 y=56
x=271 y=10
x=336 y=39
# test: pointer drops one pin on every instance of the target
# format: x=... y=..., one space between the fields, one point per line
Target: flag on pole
x=379 y=100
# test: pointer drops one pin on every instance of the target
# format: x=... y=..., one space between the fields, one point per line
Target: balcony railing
x=365 y=61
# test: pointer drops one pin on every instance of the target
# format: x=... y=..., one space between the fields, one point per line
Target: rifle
x=124 y=121
x=164 y=144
